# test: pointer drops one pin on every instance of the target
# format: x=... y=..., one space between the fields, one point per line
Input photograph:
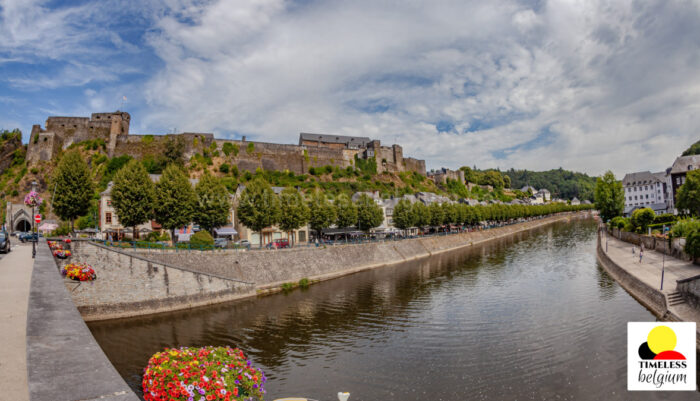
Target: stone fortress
x=313 y=150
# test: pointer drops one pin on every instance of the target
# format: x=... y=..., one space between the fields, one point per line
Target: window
x=647 y=196
x=646 y=187
x=108 y=218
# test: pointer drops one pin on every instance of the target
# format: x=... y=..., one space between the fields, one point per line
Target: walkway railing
x=365 y=239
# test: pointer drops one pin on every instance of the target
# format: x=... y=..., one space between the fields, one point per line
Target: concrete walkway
x=649 y=271
x=15 y=275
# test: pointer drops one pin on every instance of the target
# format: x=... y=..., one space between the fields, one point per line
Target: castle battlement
x=313 y=150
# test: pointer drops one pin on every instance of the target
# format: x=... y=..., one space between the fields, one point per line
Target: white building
x=645 y=189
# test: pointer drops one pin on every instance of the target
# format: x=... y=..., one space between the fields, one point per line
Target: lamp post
x=34 y=224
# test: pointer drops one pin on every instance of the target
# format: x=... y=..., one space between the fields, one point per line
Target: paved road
x=15 y=275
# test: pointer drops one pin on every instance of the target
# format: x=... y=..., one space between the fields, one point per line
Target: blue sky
x=586 y=85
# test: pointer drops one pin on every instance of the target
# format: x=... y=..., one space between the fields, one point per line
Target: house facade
x=645 y=189
x=676 y=175
x=268 y=234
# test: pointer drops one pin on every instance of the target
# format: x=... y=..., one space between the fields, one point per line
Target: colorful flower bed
x=79 y=272
x=62 y=253
x=202 y=374
x=58 y=250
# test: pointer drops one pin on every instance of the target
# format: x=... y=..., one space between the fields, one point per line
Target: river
x=530 y=317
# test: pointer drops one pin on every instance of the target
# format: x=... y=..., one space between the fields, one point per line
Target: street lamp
x=34 y=224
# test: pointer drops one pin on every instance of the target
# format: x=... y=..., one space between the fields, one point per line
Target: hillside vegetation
x=561 y=183
x=694 y=149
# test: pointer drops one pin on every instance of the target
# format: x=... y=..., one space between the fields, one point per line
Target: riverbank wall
x=138 y=282
x=647 y=295
x=689 y=288
x=64 y=362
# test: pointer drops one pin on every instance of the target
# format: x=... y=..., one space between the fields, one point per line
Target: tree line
x=172 y=202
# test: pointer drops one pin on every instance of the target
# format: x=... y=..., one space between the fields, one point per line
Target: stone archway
x=23 y=225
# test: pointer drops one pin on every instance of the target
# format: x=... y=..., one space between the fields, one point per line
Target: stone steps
x=675 y=298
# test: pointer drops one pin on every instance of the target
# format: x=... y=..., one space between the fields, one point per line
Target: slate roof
x=682 y=164
x=350 y=141
x=640 y=178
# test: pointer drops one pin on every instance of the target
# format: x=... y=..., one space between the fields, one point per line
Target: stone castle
x=313 y=150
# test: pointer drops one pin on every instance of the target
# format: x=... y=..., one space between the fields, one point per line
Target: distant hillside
x=562 y=183
x=694 y=149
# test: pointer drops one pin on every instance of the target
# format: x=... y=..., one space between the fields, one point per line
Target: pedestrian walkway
x=649 y=271
x=15 y=276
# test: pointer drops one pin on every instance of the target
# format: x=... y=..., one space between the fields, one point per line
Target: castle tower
x=119 y=128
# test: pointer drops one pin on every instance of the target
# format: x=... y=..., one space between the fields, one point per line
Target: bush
x=684 y=228
x=224 y=168
x=202 y=238
x=147 y=139
x=665 y=218
x=618 y=222
x=155 y=237
x=692 y=244
x=641 y=218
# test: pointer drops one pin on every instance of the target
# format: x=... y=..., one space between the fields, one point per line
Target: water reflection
x=528 y=317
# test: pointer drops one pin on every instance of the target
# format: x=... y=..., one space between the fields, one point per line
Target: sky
x=584 y=85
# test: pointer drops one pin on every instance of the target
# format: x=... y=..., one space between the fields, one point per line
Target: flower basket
x=209 y=373
x=79 y=272
x=32 y=199
x=61 y=253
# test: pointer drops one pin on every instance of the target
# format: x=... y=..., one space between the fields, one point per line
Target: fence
x=364 y=239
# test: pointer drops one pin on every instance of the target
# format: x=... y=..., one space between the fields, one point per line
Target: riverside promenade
x=648 y=274
x=15 y=277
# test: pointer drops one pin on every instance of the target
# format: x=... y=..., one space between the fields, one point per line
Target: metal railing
x=364 y=239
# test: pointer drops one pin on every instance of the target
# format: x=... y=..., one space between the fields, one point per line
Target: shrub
x=147 y=139
x=665 y=218
x=692 y=244
x=227 y=148
x=304 y=283
x=34 y=170
x=286 y=287
x=618 y=221
x=641 y=218
x=684 y=228
x=250 y=148
x=202 y=238
x=328 y=169
x=212 y=373
x=224 y=168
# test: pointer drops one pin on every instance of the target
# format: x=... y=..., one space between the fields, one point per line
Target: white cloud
x=583 y=85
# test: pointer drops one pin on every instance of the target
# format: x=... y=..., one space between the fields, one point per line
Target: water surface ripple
x=530 y=317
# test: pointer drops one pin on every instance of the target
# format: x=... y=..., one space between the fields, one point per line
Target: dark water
x=529 y=317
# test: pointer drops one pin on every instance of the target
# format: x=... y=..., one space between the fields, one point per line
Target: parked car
x=4 y=242
x=278 y=244
x=244 y=243
x=221 y=243
x=31 y=237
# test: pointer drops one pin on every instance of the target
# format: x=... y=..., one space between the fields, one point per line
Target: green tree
x=609 y=196
x=322 y=212
x=421 y=214
x=175 y=200
x=294 y=213
x=346 y=211
x=688 y=197
x=213 y=205
x=493 y=178
x=259 y=206
x=74 y=189
x=133 y=194
x=641 y=218
x=437 y=215
x=369 y=214
x=402 y=215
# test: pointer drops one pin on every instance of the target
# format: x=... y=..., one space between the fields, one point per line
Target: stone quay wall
x=648 y=296
x=269 y=269
x=64 y=362
x=131 y=285
x=139 y=282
